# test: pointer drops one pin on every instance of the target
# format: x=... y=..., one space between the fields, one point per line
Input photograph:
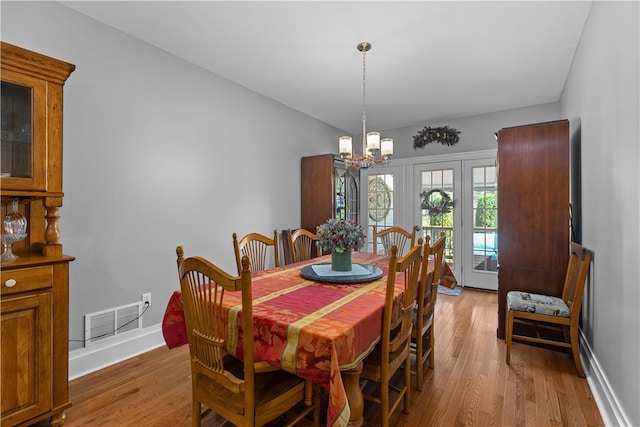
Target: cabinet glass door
x=346 y=186
x=16 y=131
x=23 y=125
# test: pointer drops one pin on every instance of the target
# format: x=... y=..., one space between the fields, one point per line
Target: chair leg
x=432 y=344
x=567 y=338
x=195 y=413
x=508 y=333
x=316 y=402
x=384 y=402
x=575 y=348
x=419 y=367
x=407 y=383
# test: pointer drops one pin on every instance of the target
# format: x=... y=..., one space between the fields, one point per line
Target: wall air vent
x=111 y=322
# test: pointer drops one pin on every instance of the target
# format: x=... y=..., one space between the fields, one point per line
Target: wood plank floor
x=471 y=384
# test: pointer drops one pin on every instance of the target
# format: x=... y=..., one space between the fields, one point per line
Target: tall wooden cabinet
x=533 y=210
x=34 y=288
x=329 y=190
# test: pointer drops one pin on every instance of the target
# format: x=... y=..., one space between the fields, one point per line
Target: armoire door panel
x=533 y=210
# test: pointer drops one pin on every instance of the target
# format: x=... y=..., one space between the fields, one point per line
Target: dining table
x=317 y=328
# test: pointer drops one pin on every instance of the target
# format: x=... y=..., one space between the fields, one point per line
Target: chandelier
x=375 y=151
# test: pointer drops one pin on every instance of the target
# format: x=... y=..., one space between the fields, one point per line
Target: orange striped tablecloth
x=312 y=329
x=309 y=328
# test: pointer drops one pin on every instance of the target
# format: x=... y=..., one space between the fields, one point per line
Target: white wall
x=601 y=100
x=157 y=153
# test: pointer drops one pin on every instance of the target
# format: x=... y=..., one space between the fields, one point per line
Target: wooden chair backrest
x=394 y=236
x=256 y=246
x=396 y=335
x=204 y=286
x=428 y=284
x=302 y=244
x=576 y=277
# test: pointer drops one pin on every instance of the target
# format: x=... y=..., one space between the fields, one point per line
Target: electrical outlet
x=146 y=299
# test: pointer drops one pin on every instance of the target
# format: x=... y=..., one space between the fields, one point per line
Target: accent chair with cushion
x=550 y=312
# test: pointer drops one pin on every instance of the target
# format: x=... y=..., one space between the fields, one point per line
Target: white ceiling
x=430 y=60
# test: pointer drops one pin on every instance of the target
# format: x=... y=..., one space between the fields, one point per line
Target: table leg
x=351 y=381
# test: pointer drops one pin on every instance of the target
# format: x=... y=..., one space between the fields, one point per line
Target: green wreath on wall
x=444 y=135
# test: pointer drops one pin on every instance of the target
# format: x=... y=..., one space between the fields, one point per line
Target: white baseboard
x=122 y=347
x=610 y=410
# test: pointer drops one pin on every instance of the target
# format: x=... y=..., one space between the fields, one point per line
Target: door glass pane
x=341 y=194
x=485 y=219
x=437 y=191
x=16 y=131
x=346 y=194
x=379 y=205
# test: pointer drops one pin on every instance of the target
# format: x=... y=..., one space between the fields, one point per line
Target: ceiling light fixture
x=375 y=151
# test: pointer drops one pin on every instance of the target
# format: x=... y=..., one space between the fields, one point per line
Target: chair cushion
x=536 y=303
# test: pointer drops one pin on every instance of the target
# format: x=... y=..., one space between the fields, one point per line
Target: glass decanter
x=14 y=229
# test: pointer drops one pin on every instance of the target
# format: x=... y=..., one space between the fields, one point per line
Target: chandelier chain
x=364 y=102
x=364 y=87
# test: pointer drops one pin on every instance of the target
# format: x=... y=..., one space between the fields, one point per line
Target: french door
x=382 y=195
x=481 y=234
x=456 y=197
x=437 y=206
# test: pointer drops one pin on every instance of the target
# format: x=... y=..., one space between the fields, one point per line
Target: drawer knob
x=10 y=283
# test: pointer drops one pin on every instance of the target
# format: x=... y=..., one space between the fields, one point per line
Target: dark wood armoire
x=533 y=210
x=329 y=190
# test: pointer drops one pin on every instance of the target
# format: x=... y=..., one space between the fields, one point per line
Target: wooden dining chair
x=423 y=332
x=559 y=314
x=302 y=244
x=238 y=390
x=394 y=236
x=257 y=247
x=393 y=350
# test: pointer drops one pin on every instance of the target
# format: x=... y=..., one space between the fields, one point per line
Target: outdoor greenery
x=486 y=212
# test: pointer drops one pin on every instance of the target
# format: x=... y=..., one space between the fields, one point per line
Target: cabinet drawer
x=26 y=279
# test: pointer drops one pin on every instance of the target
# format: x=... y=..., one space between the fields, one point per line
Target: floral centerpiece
x=340 y=237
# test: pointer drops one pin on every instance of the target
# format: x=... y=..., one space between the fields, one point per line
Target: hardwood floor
x=470 y=385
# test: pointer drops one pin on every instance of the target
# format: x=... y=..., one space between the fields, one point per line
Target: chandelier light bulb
x=345 y=143
x=373 y=141
x=386 y=147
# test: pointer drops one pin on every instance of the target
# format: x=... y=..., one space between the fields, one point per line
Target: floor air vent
x=111 y=322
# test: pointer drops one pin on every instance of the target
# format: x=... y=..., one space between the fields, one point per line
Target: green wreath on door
x=436 y=202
